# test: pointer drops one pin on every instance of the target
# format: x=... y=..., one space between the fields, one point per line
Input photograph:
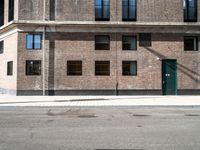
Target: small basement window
x=102 y=42
x=191 y=43
x=102 y=68
x=129 y=68
x=145 y=39
x=74 y=68
x=129 y=43
x=33 y=67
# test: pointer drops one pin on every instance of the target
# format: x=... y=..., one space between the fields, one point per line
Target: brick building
x=89 y=47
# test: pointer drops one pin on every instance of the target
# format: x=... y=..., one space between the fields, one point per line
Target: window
x=102 y=68
x=129 y=10
x=190 y=10
x=102 y=42
x=129 y=42
x=33 y=41
x=10 y=68
x=102 y=10
x=1 y=12
x=11 y=10
x=145 y=39
x=33 y=67
x=1 y=46
x=74 y=68
x=129 y=68
x=190 y=43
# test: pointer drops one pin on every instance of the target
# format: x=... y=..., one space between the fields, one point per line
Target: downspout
x=43 y=49
x=116 y=66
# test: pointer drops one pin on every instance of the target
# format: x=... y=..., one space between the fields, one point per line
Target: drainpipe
x=116 y=66
x=43 y=50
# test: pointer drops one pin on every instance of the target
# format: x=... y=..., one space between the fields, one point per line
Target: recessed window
x=102 y=42
x=10 y=68
x=1 y=12
x=190 y=10
x=74 y=68
x=33 y=67
x=145 y=39
x=129 y=43
x=1 y=46
x=190 y=43
x=102 y=10
x=11 y=10
x=129 y=68
x=33 y=41
x=129 y=10
x=102 y=68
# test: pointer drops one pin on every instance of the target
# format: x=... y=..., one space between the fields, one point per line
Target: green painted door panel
x=169 y=77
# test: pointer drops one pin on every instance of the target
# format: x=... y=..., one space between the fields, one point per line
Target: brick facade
x=76 y=41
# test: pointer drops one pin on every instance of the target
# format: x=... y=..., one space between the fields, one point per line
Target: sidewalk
x=6 y=100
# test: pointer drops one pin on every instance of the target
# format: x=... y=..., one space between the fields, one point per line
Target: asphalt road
x=100 y=128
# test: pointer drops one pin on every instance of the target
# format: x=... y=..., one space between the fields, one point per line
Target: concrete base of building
x=7 y=91
x=105 y=92
x=189 y=92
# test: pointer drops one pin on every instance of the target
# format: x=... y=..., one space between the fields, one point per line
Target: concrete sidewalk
x=6 y=100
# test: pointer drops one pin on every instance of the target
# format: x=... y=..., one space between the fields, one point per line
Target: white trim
x=10 y=32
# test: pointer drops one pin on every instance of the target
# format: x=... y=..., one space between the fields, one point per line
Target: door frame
x=162 y=74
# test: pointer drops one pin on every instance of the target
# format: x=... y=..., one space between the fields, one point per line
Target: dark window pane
x=98 y=12
x=129 y=10
x=106 y=11
x=125 y=12
x=102 y=10
x=33 y=67
x=129 y=42
x=11 y=10
x=129 y=68
x=102 y=68
x=190 y=10
x=190 y=43
x=1 y=46
x=10 y=68
x=145 y=39
x=102 y=42
x=74 y=68
x=1 y=12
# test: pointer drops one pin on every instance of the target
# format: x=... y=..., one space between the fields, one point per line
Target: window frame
x=10 y=68
x=33 y=42
x=108 y=36
x=79 y=61
x=32 y=74
x=197 y=43
x=129 y=61
x=102 y=12
x=124 y=36
x=128 y=12
x=186 y=11
x=100 y=74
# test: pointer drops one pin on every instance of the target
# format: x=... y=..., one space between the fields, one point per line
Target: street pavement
x=42 y=101
x=47 y=101
x=100 y=128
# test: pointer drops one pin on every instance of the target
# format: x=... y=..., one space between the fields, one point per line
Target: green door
x=169 y=77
